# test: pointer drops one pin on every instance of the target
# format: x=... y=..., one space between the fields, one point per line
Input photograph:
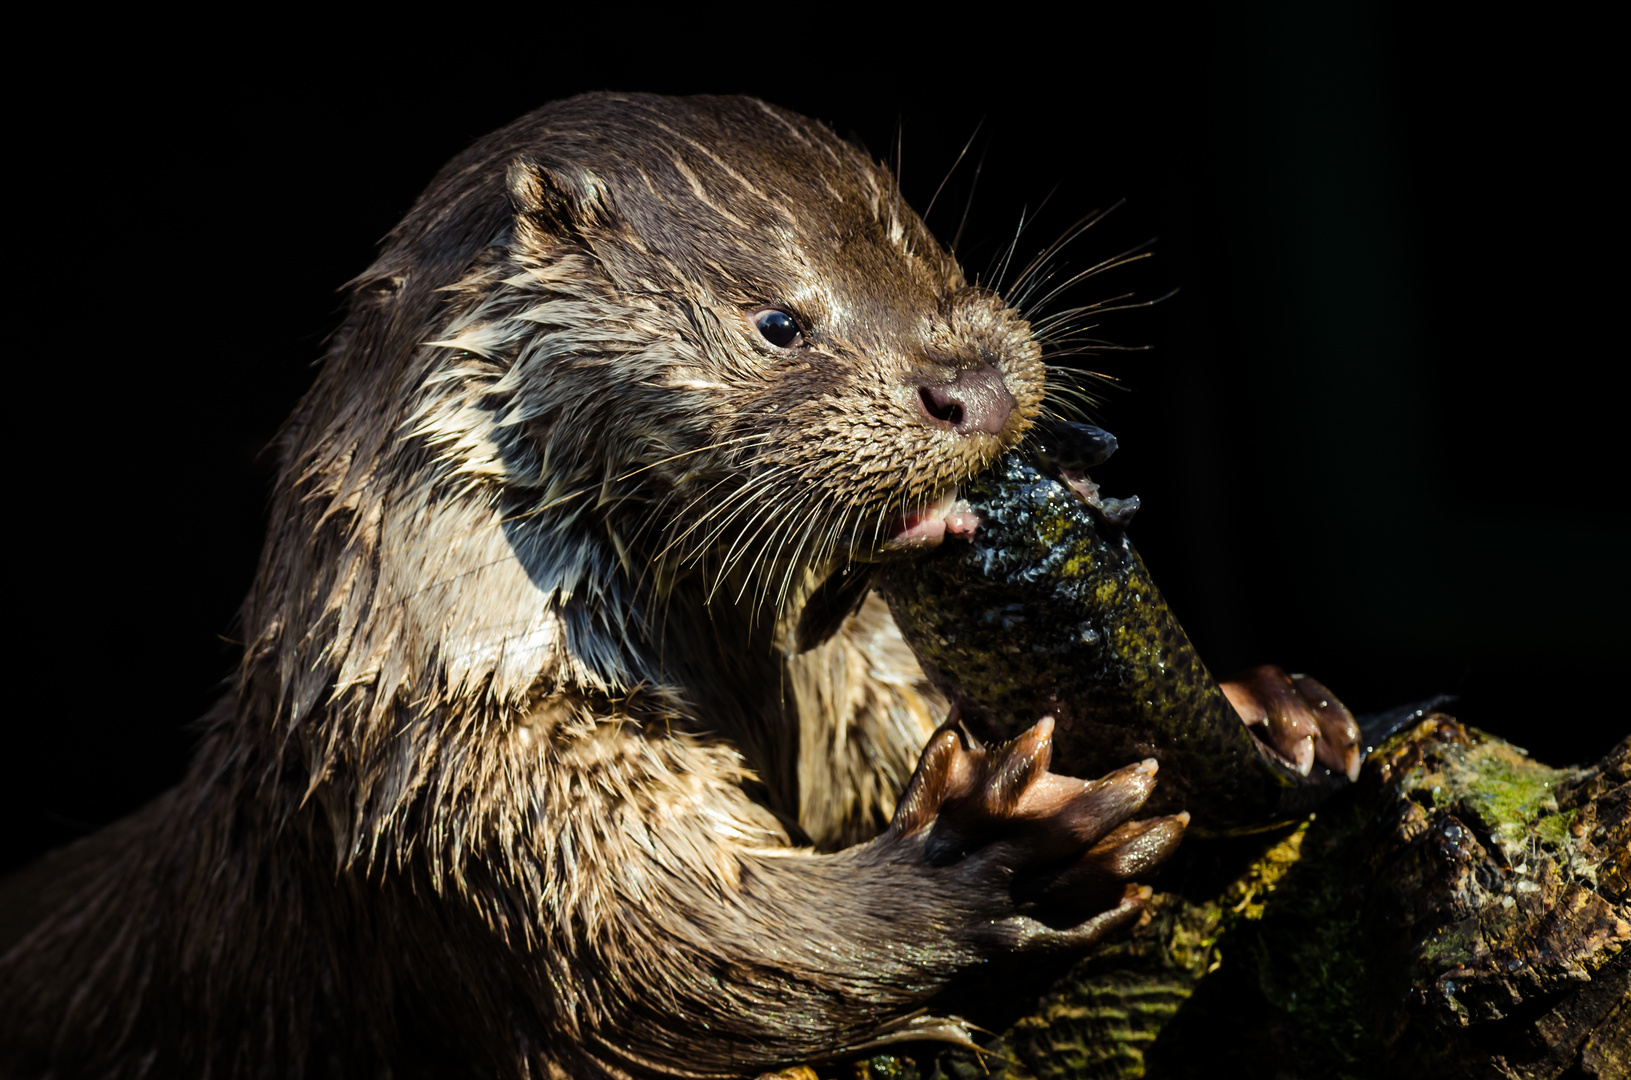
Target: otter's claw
x=1056 y=852
x=1298 y=718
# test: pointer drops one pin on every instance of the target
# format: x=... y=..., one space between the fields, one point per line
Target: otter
x=526 y=769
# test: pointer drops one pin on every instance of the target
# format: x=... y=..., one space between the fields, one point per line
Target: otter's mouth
x=925 y=527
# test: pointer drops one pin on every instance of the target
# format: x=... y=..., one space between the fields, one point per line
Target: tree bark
x=1462 y=911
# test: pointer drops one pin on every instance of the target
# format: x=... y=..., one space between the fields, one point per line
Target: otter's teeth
x=962 y=520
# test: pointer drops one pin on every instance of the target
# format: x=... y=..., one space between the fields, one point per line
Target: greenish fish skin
x=1049 y=611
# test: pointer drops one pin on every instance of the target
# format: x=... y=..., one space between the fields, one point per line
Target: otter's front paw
x=1298 y=718
x=1046 y=860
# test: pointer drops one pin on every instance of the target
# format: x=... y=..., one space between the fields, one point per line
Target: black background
x=1375 y=432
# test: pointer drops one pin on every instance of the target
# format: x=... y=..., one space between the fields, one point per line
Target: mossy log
x=1462 y=911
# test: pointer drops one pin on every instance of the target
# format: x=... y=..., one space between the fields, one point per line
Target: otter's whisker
x=1131 y=255
x=747 y=500
x=1039 y=267
x=767 y=513
x=742 y=496
x=1048 y=329
x=968 y=204
x=949 y=173
x=795 y=561
x=780 y=517
x=755 y=438
x=1013 y=244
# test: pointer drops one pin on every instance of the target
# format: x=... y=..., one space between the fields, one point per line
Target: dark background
x=1375 y=431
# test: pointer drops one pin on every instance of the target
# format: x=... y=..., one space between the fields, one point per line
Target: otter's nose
x=976 y=401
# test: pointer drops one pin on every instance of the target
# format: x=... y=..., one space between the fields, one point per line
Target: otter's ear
x=556 y=200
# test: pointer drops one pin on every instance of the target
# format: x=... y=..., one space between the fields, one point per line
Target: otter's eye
x=777 y=327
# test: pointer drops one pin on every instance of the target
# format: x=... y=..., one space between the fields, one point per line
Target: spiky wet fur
x=507 y=780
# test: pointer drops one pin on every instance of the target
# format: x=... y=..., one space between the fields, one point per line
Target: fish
x=1044 y=608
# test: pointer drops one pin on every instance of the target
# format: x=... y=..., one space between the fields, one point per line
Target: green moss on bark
x=1457 y=913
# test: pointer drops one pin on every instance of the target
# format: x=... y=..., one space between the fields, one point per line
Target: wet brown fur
x=520 y=775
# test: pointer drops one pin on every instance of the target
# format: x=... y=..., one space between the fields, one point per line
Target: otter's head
x=716 y=328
